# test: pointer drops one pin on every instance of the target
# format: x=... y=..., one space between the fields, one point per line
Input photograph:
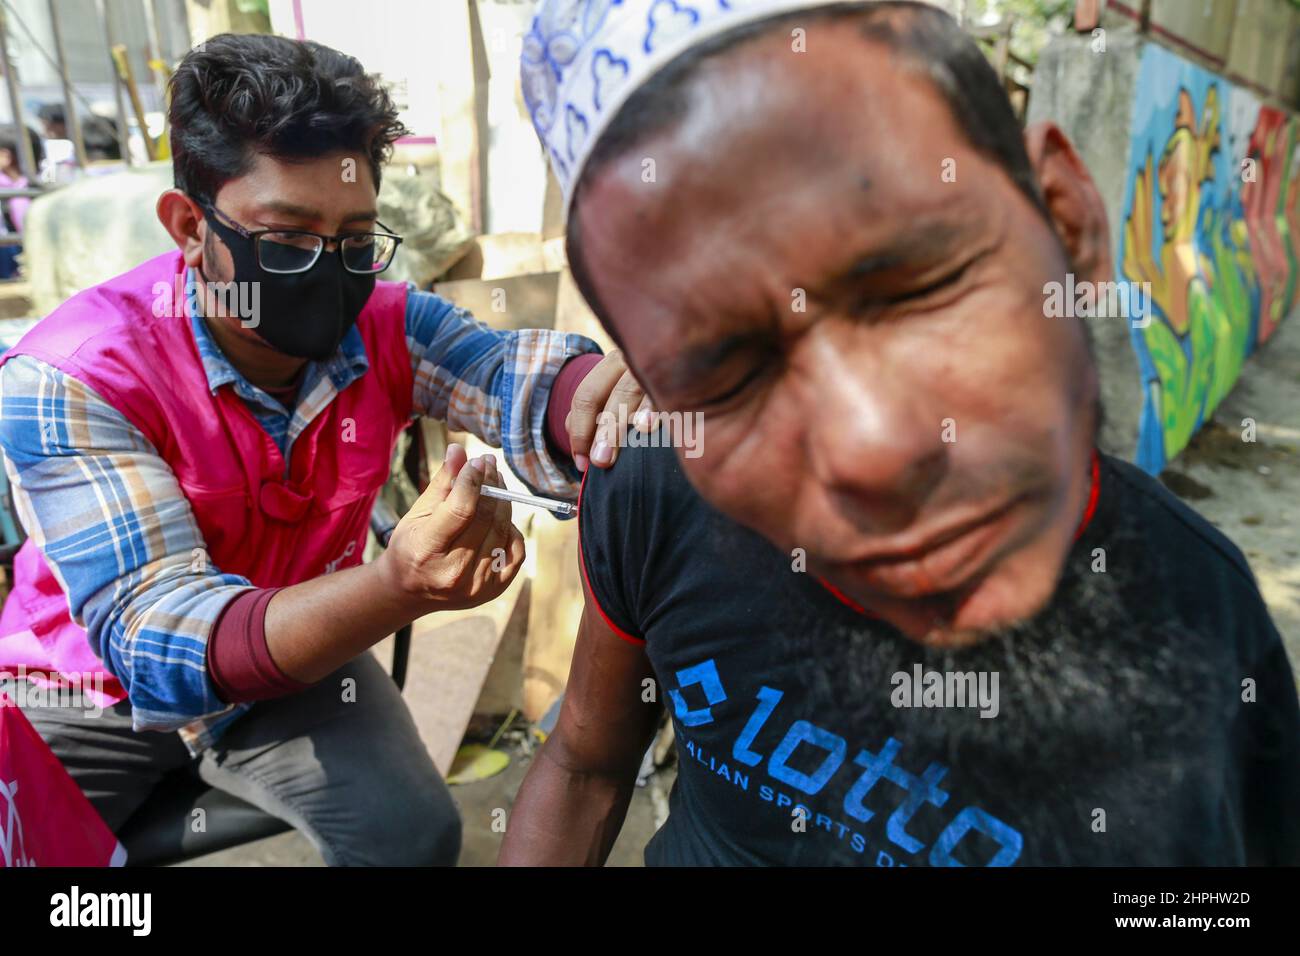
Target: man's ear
x=1072 y=200
x=181 y=216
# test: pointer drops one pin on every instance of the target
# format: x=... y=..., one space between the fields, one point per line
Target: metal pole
x=151 y=32
x=158 y=73
x=26 y=158
x=70 y=117
x=123 y=131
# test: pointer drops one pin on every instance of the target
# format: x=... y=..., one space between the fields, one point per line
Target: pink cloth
x=257 y=524
x=45 y=819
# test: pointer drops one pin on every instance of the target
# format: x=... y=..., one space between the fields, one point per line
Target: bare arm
x=440 y=557
x=572 y=803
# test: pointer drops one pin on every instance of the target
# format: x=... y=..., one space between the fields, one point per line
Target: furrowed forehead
x=746 y=142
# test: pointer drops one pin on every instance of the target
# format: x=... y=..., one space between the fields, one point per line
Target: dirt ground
x=1249 y=490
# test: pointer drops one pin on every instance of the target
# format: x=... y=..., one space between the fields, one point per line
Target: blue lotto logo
x=871 y=767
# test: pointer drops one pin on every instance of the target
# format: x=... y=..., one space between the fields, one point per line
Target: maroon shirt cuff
x=566 y=383
x=239 y=662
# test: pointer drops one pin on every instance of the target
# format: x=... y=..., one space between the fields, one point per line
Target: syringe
x=550 y=504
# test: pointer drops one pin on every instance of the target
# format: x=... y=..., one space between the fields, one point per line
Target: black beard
x=1097 y=695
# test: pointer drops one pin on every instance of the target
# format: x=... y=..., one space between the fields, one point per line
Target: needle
x=550 y=504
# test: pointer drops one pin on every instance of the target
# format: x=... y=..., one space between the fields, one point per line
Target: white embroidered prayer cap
x=583 y=58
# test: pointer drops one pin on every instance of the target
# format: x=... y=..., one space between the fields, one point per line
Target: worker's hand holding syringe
x=456 y=547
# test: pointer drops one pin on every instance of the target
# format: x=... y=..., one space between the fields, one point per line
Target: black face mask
x=303 y=314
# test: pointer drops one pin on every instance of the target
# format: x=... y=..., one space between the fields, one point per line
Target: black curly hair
x=237 y=96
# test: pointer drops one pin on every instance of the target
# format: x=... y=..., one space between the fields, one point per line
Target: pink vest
x=255 y=522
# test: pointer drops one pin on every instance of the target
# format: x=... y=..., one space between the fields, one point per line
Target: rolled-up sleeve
x=120 y=536
x=494 y=384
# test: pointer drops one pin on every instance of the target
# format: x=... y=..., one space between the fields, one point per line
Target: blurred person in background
x=97 y=133
x=11 y=177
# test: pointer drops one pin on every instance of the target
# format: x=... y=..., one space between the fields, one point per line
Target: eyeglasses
x=287 y=251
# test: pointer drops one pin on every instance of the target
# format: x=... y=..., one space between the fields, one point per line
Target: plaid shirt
x=107 y=513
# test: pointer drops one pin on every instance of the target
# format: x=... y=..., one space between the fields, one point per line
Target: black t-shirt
x=1147 y=717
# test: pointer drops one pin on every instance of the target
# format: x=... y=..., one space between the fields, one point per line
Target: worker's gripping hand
x=605 y=400
x=455 y=548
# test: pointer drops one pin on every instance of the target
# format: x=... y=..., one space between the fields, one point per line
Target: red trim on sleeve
x=591 y=592
x=1094 y=492
x=844 y=598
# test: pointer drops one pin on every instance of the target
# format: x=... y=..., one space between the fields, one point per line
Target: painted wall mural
x=1211 y=219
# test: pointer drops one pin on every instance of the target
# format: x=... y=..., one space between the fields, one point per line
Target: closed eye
x=720 y=401
x=869 y=303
